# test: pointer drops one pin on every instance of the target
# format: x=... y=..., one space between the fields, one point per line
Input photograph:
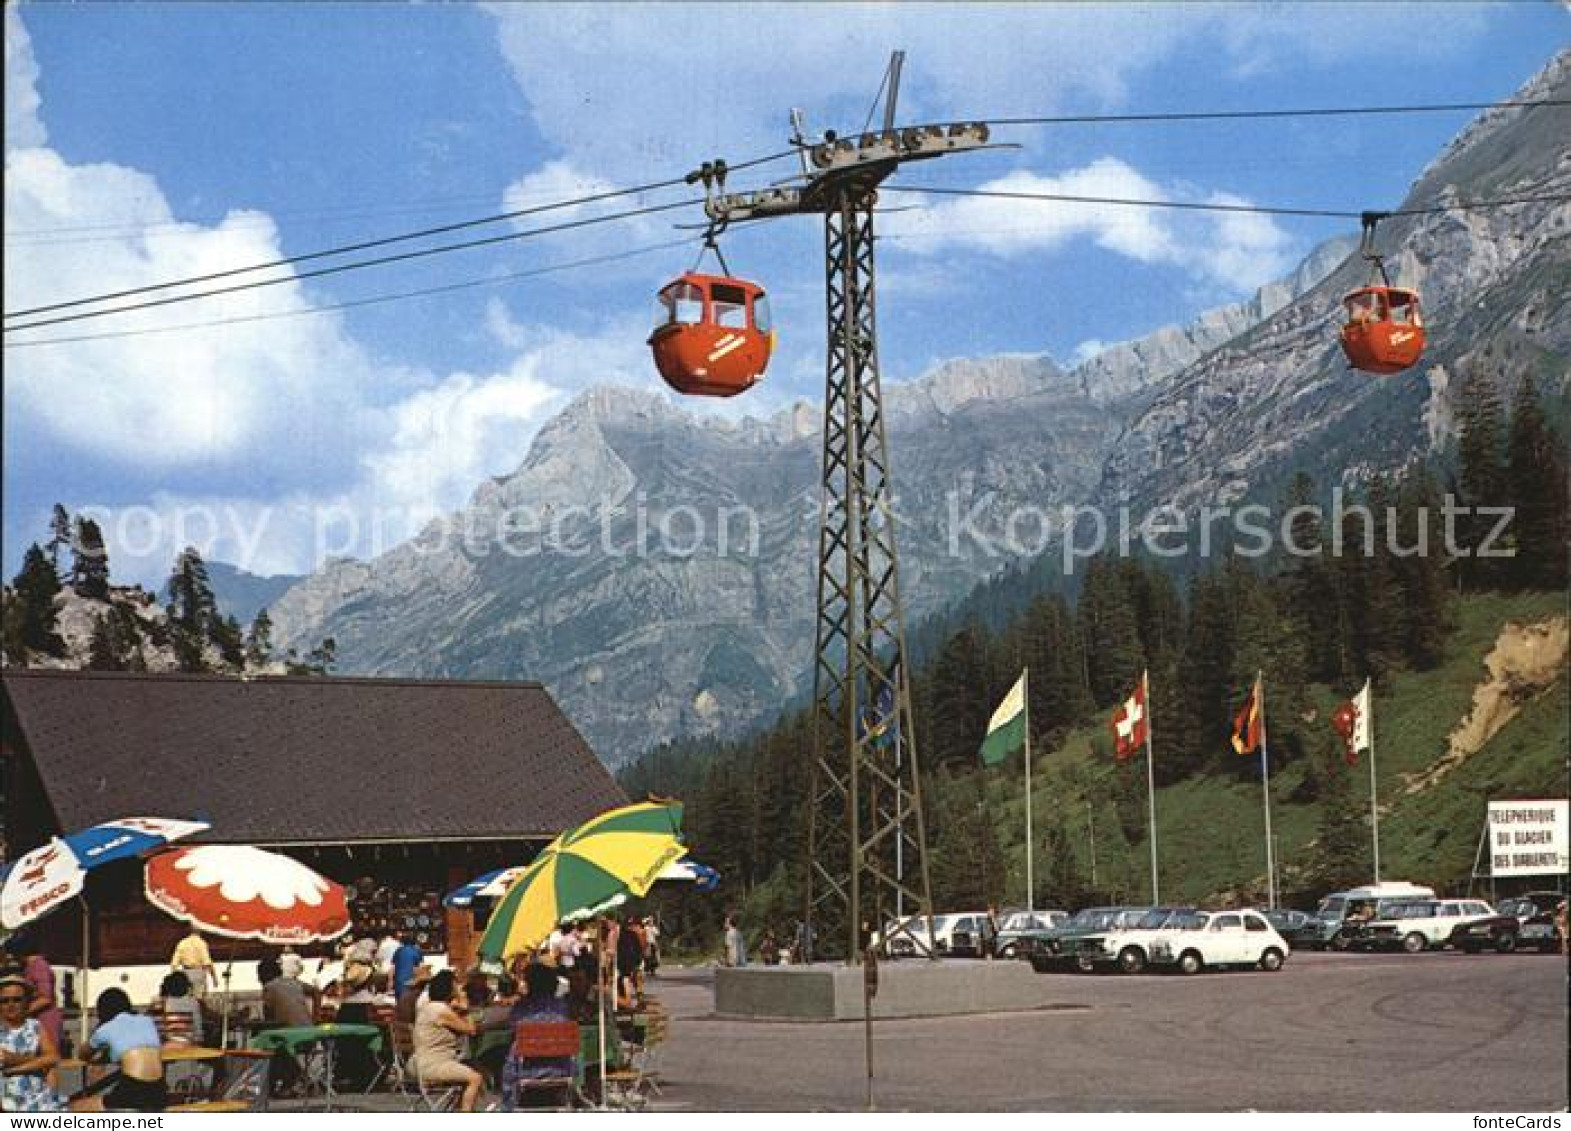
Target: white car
x=1129 y=947
x=909 y=936
x=1424 y=924
x=1219 y=939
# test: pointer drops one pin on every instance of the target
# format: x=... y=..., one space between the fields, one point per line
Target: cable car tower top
x=867 y=844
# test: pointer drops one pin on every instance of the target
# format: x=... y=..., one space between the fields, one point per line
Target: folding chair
x=546 y=1040
x=642 y=1074
x=405 y=1070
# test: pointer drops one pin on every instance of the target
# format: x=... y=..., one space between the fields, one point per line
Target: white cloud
x=23 y=127
x=168 y=399
x=1239 y=251
x=628 y=90
x=1086 y=350
x=446 y=439
x=287 y=420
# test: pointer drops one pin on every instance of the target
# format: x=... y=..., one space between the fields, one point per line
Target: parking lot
x=1429 y=1032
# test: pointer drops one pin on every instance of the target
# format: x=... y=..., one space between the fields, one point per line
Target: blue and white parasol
x=55 y=872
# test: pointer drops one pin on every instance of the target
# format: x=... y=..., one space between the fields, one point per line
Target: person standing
x=651 y=945
x=45 y=1009
x=629 y=958
x=191 y=958
x=735 y=944
x=384 y=954
x=405 y=959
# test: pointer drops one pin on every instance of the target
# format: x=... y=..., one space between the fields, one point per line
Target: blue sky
x=146 y=142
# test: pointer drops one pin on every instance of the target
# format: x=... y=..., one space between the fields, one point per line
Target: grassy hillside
x=1211 y=834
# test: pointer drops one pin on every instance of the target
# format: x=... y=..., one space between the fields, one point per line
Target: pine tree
x=1536 y=478
x=1110 y=632
x=1380 y=602
x=90 y=561
x=1309 y=594
x=193 y=611
x=1481 y=450
x=1050 y=648
x=35 y=589
x=192 y=605
x=959 y=707
x=1343 y=848
x=230 y=641
x=59 y=535
x=115 y=645
x=259 y=640
x=1420 y=569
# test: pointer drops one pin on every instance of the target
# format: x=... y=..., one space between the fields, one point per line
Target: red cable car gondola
x=712 y=335
x=1384 y=331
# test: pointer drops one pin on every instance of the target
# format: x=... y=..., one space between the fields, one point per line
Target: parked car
x=1493 y=932
x=907 y=937
x=1127 y=946
x=1220 y=939
x=1018 y=923
x=1053 y=949
x=968 y=934
x=1340 y=913
x=1420 y=925
x=1299 y=929
x=1535 y=916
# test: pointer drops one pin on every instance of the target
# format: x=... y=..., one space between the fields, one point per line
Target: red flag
x=1246 y=727
x=1130 y=724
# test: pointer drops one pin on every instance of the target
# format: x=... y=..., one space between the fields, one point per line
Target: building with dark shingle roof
x=399 y=787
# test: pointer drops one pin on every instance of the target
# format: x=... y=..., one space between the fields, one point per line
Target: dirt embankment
x=1526 y=661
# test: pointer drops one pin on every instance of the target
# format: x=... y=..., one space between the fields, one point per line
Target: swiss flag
x=1130 y=724
x=1352 y=723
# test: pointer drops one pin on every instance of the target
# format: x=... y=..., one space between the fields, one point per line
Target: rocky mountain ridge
x=663 y=581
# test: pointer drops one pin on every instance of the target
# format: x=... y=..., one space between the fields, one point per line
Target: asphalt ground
x=1329 y=1032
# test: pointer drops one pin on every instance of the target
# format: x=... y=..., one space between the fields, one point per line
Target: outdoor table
x=314 y=1045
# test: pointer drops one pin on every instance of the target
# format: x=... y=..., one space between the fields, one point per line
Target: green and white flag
x=1006 y=731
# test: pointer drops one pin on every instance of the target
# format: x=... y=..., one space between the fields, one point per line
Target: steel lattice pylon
x=867 y=845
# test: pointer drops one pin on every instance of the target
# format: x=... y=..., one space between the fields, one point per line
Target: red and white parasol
x=245 y=893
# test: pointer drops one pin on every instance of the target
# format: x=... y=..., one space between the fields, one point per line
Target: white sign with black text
x=1529 y=838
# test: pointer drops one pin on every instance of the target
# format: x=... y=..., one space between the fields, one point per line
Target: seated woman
x=130 y=1042
x=437 y=1029
x=539 y=1003
x=27 y=1052
x=182 y=1013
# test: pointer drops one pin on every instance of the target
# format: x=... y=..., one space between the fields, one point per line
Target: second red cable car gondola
x=1384 y=331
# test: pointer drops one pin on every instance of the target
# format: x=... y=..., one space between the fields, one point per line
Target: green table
x=317 y=1041
x=301 y=1036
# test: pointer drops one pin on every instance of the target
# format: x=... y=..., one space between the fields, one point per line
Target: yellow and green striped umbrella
x=622 y=851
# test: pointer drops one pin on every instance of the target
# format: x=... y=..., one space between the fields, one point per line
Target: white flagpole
x=1265 y=781
x=1374 y=799
x=1145 y=700
x=1025 y=678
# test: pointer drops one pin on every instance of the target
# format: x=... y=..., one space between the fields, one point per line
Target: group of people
x=33 y=1040
x=125 y=1040
x=794 y=947
x=447 y=1015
